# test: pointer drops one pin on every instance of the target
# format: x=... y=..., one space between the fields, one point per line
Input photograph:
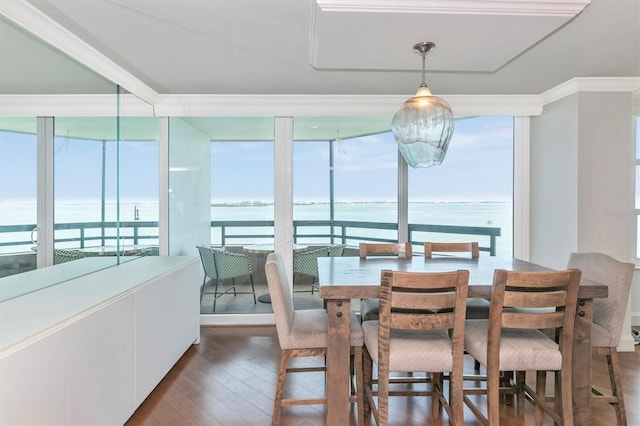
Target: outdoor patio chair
x=306 y=263
x=220 y=265
x=336 y=250
x=150 y=251
x=66 y=255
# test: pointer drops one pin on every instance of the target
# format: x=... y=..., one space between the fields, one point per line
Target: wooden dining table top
x=353 y=277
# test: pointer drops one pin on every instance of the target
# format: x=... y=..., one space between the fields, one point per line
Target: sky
x=478 y=167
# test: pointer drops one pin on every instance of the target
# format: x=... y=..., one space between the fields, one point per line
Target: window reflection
x=18 y=194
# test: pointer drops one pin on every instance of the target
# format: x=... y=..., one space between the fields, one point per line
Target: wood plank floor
x=230 y=379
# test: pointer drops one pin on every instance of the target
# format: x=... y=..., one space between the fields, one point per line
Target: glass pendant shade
x=423 y=126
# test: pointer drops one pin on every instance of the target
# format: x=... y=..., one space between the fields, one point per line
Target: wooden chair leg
x=436 y=390
x=359 y=384
x=367 y=366
x=520 y=379
x=383 y=400
x=493 y=396
x=541 y=385
x=616 y=386
x=284 y=360
x=567 y=395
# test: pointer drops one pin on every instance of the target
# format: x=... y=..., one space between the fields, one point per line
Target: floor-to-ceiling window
x=18 y=194
x=366 y=186
x=473 y=187
x=242 y=205
x=105 y=185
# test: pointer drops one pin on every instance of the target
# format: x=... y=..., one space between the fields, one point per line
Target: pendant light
x=424 y=124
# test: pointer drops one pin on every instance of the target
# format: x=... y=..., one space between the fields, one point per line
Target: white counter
x=89 y=350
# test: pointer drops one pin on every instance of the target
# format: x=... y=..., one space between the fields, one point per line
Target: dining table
x=342 y=279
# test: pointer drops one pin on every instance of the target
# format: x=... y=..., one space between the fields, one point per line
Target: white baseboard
x=626 y=344
x=635 y=319
x=237 y=319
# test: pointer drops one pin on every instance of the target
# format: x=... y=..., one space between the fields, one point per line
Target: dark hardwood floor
x=230 y=379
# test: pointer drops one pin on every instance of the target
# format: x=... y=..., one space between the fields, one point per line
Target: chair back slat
x=386 y=249
x=550 y=289
x=468 y=247
x=423 y=301
x=533 y=320
x=547 y=299
x=422 y=321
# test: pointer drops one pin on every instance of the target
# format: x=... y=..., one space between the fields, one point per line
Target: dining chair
x=469 y=247
x=608 y=318
x=512 y=340
x=421 y=329
x=66 y=255
x=369 y=308
x=477 y=308
x=385 y=249
x=306 y=263
x=303 y=333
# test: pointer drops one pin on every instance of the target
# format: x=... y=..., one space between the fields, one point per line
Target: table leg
x=338 y=354
x=582 y=363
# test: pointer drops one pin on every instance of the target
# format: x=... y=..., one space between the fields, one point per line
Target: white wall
x=554 y=178
x=189 y=188
x=606 y=174
x=582 y=182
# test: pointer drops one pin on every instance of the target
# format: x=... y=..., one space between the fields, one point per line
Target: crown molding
x=336 y=105
x=255 y=105
x=300 y=105
x=40 y=25
x=73 y=105
x=459 y=7
x=590 y=84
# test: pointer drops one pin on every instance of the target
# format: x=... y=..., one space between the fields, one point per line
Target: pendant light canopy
x=424 y=124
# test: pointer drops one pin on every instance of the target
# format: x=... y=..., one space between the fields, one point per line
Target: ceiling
x=297 y=47
x=324 y=47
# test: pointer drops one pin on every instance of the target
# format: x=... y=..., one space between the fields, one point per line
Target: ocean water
x=491 y=214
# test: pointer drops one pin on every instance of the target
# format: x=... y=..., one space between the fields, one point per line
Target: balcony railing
x=352 y=232
x=229 y=232
x=82 y=234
